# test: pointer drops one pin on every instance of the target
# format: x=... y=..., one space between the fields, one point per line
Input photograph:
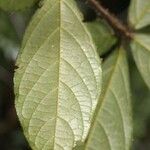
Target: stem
x=111 y=19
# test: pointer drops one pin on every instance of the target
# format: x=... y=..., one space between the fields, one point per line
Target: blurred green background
x=12 y=28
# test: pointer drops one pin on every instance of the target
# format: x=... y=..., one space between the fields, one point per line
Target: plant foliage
x=11 y=5
x=64 y=98
x=139 y=14
x=59 y=78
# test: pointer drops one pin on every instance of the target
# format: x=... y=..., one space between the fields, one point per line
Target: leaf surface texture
x=58 y=82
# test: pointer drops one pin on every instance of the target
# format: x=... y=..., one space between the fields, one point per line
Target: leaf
x=141 y=53
x=11 y=5
x=103 y=36
x=112 y=127
x=58 y=82
x=6 y=28
x=139 y=14
x=8 y=38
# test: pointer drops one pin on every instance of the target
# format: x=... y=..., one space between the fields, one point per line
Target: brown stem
x=111 y=19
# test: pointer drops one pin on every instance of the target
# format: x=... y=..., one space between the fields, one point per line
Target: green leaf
x=8 y=38
x=139 y=14
x=6 y=28
x=11 y=5
x=141 y=52
x=58 y=82
x=112 y=127
x=103 y=35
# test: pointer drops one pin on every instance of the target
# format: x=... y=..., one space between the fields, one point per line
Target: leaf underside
x=139 y=14
x=141 y=52
x=112 y=127
x=58 y=82
x=11 y=5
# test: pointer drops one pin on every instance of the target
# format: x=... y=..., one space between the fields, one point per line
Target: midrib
x=59 y=59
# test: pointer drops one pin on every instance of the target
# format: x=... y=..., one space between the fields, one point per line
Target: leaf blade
x=139 y=14
x=59 y=77
x=112 y=124
x=141 y=53
x=103 y=36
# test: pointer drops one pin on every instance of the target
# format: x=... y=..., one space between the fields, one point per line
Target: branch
x=111 y=19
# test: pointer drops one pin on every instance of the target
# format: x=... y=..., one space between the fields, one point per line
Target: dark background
x=12 y=27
